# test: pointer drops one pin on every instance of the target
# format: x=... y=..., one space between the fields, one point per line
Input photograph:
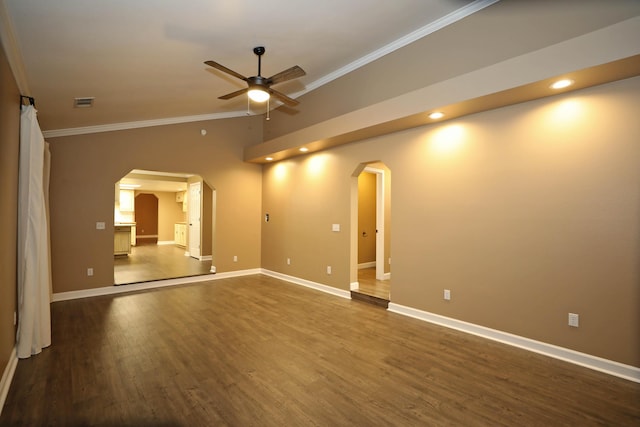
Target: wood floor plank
x=258 y=351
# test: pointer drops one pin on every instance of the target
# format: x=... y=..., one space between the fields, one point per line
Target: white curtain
x=34 y=273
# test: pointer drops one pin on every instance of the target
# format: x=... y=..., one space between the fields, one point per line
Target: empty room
x=320 y=213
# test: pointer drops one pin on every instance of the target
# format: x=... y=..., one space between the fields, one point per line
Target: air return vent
x=86 y=102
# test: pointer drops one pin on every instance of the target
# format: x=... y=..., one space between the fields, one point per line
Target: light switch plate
x=335 y=227
x=100 y=225
x=574 y=320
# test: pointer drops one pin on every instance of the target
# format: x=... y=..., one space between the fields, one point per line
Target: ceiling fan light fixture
x=258 y=95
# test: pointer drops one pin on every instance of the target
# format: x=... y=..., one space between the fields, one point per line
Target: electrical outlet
x=89 y=271
x=447 y=294
x=100 y=225
x=328 y=269
x=235 y=258
x=574 y=320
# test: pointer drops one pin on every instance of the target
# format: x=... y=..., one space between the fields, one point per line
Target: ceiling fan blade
x=284 y=98
x=234 y=94
x=225 y=69
x=288 y=74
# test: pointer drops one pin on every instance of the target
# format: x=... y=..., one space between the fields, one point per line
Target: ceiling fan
x=259 y=88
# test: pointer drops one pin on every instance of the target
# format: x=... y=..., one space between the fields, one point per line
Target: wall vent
x=85 y=102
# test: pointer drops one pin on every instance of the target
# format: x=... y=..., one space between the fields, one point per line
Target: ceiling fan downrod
x=259 y=50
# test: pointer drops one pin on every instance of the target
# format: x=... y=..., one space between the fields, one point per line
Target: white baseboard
x=111 y=290
x=371 y=264
x=610 y=367
x=7 y=377
x=239 y=273
x=386 y=276
x=166 y=242
x=309 y=284
x=354 y=286
x=206 y=258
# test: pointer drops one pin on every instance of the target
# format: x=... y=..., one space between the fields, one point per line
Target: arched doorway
x=371 y=225
x=160 y=233
x=146 y=217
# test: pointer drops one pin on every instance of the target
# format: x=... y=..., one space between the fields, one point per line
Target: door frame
x=194 y=207
x=379 y=220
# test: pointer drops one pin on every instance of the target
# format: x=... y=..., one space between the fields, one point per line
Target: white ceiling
x=142 y=60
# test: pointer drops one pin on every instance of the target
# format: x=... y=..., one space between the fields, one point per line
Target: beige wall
x=366 y=217
x=85 y=168
x=9 y=152
x=169 y=212
x=525 y=213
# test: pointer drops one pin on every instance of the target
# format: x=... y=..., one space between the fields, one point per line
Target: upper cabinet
x=181 y=197
x=126 y=200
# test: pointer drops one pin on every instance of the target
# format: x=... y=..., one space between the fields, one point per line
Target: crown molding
x=430 y=28
x=12 y=50
x=140 y=124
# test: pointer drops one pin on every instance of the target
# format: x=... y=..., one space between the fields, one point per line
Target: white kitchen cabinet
x=127 y=200
x=180 y=234
x=133 y=235
x=181 y=197
x=122 y=240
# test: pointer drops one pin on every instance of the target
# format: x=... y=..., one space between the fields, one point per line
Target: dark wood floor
x=256 y=351
x=156 y=262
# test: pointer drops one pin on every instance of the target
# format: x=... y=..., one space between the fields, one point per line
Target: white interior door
x=195 y=190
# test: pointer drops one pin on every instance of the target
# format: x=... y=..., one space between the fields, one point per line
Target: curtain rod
x=32 y=101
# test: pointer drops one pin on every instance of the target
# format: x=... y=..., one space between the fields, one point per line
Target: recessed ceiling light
x=436 y=115
x=561 y=84
x=268 y=159
x=304 y=149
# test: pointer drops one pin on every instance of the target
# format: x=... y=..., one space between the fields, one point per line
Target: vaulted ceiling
x=372 y=66
x=143 y=59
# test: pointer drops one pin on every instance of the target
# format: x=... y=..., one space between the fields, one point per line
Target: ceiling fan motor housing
x=258 y=82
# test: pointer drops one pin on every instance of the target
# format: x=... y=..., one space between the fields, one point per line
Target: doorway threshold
x=370 y=299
